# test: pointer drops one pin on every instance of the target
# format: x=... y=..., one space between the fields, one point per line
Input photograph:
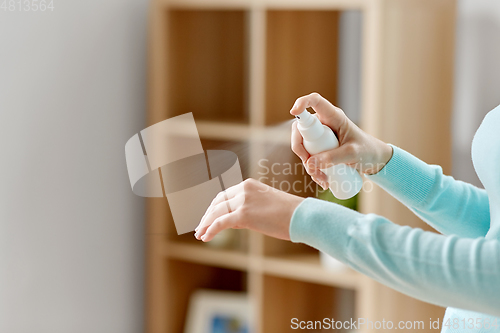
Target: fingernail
x=324 y=185
x=204 y=237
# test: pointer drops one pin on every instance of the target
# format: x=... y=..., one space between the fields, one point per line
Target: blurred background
x=72 y=91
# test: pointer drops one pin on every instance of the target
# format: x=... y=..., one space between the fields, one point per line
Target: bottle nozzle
x=305 y=118
x=309 y=126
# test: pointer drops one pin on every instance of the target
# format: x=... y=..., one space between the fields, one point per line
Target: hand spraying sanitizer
x=345 y=181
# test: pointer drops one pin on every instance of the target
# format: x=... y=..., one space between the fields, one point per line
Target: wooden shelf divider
x=307 y=268
x=204 y=255
x=272 y=4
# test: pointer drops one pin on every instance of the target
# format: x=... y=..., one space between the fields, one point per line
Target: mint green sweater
x=460 y=268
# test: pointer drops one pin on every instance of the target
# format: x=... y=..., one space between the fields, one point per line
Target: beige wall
x=72 y=91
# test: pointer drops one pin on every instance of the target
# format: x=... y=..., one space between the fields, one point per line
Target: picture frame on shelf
x=214 y=311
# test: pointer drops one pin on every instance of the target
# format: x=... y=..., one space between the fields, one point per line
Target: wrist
x=384 y=155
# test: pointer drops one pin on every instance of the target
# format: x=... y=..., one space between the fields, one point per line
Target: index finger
x=297 y=146
x=327 y=113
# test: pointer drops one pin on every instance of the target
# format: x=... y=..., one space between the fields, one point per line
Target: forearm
x=444 y=270
x=451 y=206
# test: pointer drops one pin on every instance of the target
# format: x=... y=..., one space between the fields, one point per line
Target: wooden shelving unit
x=238 y=65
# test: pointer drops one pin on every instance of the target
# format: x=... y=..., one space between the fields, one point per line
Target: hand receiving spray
x=345 y=181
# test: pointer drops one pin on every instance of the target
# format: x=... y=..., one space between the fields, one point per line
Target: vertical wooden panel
x=418 y=77
x=257 y=66
x=157 y=63
x=156 y=290
x=408 y=95
x=156 y=296
x=302 y=52
x=413 y=89
x=256 y=288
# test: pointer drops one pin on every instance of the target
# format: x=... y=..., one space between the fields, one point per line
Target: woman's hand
x=356 y=148
x=250 y=205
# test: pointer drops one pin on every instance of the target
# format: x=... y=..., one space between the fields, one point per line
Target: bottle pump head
x=305 y=118
x=309 y=126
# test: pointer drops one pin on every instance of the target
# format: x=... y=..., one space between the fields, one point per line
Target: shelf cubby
x=207 y=64
x=288 y=296
x=185 y=277
x=240 y=147
x=301 y=57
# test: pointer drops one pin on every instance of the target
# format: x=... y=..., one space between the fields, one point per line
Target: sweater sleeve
x=444 y=270
x=450 y=206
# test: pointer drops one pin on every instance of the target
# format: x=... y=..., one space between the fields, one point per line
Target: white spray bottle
x=345 y=181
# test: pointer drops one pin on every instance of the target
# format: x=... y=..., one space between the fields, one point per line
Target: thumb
x=345 y=154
